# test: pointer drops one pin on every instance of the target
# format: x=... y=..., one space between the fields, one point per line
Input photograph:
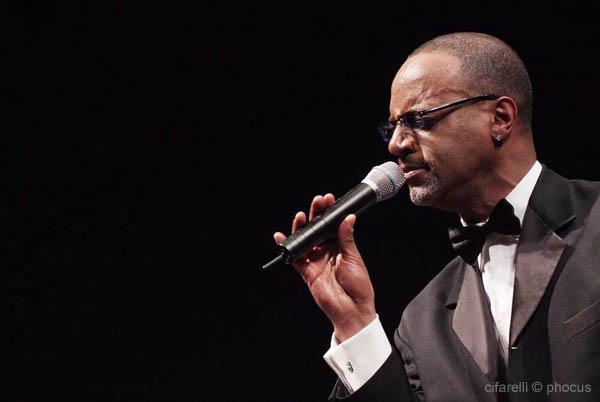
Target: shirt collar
x=519 y=196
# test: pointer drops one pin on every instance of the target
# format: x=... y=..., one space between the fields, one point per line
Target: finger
x=279 y=237
x=329 y=200
x=316 y=206
x=346 y=236
x=316 y=252
x=299 y=220
x=320 y=204
x=311 y=265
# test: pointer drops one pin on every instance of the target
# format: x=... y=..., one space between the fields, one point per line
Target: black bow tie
x=467 y=241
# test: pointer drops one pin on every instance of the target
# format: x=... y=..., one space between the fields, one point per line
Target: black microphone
x=382 y=182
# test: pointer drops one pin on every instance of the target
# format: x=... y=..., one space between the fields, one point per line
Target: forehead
x=424 y=77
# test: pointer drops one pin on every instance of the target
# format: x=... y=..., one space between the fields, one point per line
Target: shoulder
x=557 y=200
x=582 y=193
x=585 y=196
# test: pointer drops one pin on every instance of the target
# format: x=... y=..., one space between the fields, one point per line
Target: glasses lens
x=413 y=121
x=386 y=129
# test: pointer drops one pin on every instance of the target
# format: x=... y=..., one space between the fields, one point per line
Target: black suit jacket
x=555 y=324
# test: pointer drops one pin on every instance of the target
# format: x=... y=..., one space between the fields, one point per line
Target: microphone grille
x=385 y=179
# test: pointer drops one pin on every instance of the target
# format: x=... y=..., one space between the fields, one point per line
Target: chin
x=426 y=194
x=422 y=198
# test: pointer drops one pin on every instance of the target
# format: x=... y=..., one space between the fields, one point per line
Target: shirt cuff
x=358 y=358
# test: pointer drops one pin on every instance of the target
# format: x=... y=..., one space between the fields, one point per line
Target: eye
x=413 y=120
x=418 y=121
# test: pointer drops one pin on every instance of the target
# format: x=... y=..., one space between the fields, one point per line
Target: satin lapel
x=472 y=322
x=540 y=247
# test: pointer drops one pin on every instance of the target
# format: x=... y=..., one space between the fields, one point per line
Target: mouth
x=412 y=170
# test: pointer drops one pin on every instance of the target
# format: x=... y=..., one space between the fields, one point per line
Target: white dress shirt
x=357 y=359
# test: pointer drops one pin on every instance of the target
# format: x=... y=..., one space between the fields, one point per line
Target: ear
x=505 y=115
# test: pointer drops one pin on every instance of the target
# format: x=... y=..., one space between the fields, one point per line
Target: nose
x=403 y=142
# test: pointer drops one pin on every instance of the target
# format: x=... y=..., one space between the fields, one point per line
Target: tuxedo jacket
x=443 y=348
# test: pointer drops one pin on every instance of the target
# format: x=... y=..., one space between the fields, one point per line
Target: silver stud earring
x=498 y=140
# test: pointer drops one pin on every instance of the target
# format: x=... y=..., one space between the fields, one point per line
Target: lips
x=412 y=169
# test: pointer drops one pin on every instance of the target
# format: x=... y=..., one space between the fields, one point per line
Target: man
x=515 y=316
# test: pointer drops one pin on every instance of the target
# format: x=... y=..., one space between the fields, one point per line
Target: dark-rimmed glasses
x=417 y=119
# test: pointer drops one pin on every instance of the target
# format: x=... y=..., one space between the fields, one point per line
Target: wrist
x=347 y=329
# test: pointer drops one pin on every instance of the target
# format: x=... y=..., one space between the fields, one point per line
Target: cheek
x=452 y=160
x=455 y=140
x=473 y=136
x=441 y=152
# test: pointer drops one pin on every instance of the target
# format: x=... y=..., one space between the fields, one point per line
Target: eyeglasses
x=417 y=119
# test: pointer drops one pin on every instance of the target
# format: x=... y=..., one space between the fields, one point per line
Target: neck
x=496 y=186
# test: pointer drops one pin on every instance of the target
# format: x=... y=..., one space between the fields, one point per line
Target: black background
x=149 y=152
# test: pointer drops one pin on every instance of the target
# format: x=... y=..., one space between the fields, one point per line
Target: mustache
x=414 y=163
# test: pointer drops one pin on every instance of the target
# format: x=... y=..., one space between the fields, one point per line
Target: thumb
x=346 y=237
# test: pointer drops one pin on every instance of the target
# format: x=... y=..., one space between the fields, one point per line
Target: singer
x=520 y=303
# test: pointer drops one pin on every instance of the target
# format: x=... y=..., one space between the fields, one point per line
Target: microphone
x=382 y=182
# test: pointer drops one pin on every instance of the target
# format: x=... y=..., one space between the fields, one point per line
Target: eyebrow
x=415 y=100
x=392 y=119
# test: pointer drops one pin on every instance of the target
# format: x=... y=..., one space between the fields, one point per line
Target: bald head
x=488 y=66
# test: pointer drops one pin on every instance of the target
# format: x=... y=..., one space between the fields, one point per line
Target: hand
x=336 y=274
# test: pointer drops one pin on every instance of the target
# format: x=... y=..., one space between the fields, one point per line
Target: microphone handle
x=322 y=226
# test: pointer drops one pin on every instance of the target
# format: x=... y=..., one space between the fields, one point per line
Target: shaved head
x=488 y=66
